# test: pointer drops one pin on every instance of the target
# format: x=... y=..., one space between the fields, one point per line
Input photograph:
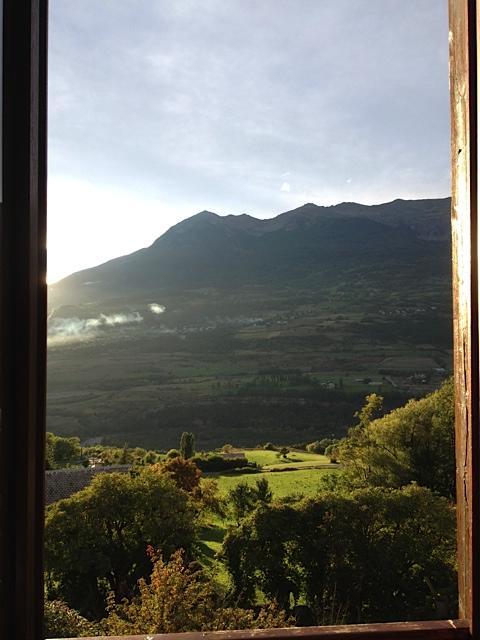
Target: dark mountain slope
x=207 y=250
x=261 y=329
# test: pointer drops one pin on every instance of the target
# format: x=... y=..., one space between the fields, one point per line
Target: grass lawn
x=264 y=458
x=284 y=483
x=210 y=543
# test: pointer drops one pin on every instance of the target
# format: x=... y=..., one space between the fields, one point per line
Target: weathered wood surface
x=431 y=630
x=463 y=93
x=23 y=264
x=23 y=319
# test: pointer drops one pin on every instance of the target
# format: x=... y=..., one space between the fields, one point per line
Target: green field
x=284 y=483
x=269 y=458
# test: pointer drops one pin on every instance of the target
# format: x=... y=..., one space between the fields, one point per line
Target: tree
x=62 y=452
x=187 y=444
x=319 y=446
x=151 y=457
x=283 y=453
x=184 y=473
x=370 y=410
x=243 y=500
x=331 y=452
x=263 y=491
x=95 y=540
x=412 y=443
x=208 y=500
x=315 y=447
x=360 y=555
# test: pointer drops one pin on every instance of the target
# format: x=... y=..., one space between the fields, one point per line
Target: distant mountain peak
x=206 y=214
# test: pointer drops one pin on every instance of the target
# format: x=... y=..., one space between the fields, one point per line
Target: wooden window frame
x=23 y=306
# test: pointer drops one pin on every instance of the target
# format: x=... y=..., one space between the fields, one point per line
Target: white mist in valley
x=61 y=330
x=156 y=308
x=68 y=329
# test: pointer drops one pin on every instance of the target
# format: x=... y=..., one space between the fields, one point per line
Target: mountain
x=245 y=330
x=227 y=251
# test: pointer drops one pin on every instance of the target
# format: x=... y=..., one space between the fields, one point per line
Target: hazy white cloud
x=68 y=329
x=285 y=187
x=157 y=309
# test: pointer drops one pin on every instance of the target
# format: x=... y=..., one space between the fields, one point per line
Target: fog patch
x=70 y=329
x=156 y=308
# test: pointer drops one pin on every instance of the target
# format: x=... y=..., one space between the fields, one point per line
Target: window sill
x=433 y=630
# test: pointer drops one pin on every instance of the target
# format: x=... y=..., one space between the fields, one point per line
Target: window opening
x=105 y=321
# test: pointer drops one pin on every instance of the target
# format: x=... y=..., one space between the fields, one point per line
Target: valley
x=283 y=344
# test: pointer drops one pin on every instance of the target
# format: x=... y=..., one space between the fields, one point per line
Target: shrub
x=269 y=446
x=331 y=452
x=211 y=463
x=63 y=622
x=173 y=453
x=180 y=598
x=253 y=468
x=315 y=447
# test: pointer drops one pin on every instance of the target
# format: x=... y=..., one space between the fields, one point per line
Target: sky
x=159 y=109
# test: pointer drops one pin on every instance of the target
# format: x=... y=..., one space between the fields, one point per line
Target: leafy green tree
x=173 y=453
x=414 y=443
x=62 y=452
x=242 y=499
x=187 y=444
x=319 y=446
x=283 y=453
x=370 y=410
x=96 y=539
x=263 y=493
x=315 y=447
x=150 y=457
x=332 y=452
x=361 y=555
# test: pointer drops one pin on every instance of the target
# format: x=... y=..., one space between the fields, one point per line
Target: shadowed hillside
x=249 y=330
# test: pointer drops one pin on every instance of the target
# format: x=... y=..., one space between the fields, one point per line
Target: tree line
x=376 y=542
